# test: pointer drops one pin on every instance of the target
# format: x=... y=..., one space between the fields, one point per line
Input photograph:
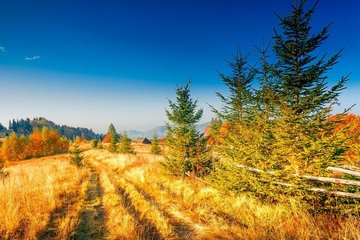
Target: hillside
x=26 y=126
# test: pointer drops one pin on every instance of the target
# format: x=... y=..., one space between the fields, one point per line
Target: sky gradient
x=92 y=63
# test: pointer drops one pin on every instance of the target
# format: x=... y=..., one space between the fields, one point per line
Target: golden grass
x=39 y=195
x=128 y=197
x=191 y=209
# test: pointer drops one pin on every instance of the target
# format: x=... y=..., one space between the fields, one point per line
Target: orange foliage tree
x=349 y=123
x=107 y=138
x=44 y=143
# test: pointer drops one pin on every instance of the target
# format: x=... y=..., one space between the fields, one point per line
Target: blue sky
x=92 y=63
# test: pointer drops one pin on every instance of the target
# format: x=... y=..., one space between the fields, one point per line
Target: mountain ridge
x=160 y=131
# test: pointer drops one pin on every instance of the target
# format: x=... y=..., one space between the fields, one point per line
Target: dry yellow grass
x=40 y=195
x=127 y=197
x=176 y=209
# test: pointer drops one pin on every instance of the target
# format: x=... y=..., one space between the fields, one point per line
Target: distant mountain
x=160 y=131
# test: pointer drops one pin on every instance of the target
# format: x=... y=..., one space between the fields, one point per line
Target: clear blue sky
x=95 y=62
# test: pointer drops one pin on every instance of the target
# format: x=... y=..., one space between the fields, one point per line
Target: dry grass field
x=127 y=197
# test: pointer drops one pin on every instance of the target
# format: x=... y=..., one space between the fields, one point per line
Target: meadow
x=117 y=196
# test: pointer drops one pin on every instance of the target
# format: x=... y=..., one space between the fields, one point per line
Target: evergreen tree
x=236 y=107
x=187 y=147
x=304 y=98
x=76 y=157
x=155 y=147
x=265 y=95
x=302 y=85
x=125 y=144
x=114 y=139
x=293 y=137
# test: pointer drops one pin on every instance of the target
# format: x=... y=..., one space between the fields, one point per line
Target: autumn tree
x=106 y=138
x=44 y=143
x=14 y=148
x=5 y=150
x=187 y=147
x=125 y=144
x=350 y=124
x=35 y=143
x=155 y=147
x=113 y=139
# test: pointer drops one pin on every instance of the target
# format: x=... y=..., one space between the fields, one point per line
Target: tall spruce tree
x=265 y=156
x=187 y=147
x=114 y=139
x=301 y=75
x=304 y=98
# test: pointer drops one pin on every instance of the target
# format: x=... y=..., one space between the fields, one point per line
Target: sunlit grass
x=128 y=197
x=194 y=210
x=36 y=191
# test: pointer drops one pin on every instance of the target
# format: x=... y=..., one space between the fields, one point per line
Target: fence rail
x=321 y=179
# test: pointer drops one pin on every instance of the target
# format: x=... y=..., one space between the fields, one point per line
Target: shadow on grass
x=51 y=229
x=182 y=230
x=92 y=215
x=147 y=230
x=225 y=216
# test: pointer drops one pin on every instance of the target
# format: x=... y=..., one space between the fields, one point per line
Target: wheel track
x=92 y=215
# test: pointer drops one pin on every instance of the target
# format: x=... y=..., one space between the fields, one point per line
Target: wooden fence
x=322 y=179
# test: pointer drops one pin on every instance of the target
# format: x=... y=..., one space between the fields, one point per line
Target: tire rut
x=92 y=215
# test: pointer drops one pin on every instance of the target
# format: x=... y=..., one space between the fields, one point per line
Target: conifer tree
x=304 y=98
x=302 y=79
x=155 y=147
x=187 y=147
x=76 y=157
x=113 y=139
x=294 y=137
x=125 y=144
x=236 y=107
x=95 y=143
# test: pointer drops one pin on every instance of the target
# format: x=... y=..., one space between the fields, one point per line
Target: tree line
x=275 y=124
x=26 y=126
x=39 y=143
